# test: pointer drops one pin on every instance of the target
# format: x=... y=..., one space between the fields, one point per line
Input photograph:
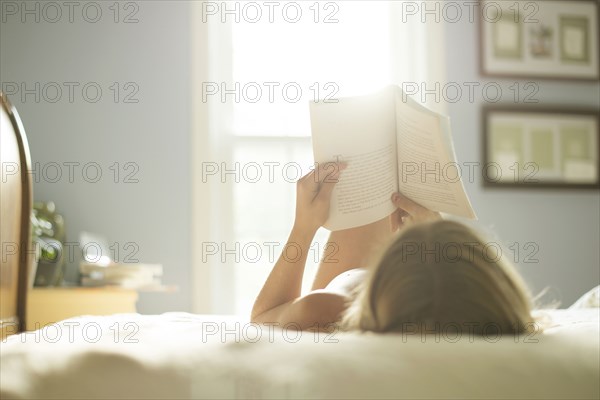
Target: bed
x=179 y=355
x=187 y=356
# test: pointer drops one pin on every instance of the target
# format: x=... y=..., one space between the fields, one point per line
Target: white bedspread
x=178 y=355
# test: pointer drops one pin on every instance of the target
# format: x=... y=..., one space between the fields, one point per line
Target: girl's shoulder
x=346 y=282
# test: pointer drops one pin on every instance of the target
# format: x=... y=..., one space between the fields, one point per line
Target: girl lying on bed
x=432 y=275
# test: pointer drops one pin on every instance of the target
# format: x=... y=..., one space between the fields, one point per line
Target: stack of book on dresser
x=130 y=276
x=98 y=268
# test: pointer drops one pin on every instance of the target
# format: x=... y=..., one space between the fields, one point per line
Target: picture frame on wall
x=549 y=39
x=541 y=147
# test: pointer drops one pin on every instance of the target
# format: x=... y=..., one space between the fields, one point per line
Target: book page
x=427 y=170
x=361 y=132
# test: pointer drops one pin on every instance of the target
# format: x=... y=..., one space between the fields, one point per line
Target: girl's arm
x=278 y=301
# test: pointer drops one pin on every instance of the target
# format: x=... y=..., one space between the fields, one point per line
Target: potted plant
x=47 y=231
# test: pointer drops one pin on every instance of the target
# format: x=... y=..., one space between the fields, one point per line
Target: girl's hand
x=407 y=211
x=313 y=196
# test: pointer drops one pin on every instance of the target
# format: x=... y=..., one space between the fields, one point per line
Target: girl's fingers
x=407 y=205
x=411 y=208
x=320 y=181
x=307 y=176
x=398 y=218
x=329 y=171
x=324 y=172
x=327 y=185
x=395 y=220
x=326 y=189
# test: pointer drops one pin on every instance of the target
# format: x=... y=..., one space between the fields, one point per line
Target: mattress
x=180 y=355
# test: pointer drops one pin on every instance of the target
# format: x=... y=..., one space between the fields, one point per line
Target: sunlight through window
x=280 y=66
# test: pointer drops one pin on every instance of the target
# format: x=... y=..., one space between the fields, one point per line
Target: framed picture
x=540 y=147
x=548 y=39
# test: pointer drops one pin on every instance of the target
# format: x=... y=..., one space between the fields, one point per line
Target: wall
x=152 y=133
x=565 y=224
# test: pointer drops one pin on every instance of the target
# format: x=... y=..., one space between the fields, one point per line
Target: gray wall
x=565 y=224
x=154 y=133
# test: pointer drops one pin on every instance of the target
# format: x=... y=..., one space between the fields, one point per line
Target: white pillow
x=589 y=300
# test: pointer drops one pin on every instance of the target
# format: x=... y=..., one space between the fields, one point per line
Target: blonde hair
x=441 y=276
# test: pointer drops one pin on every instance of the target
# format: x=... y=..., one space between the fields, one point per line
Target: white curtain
x=418 y=50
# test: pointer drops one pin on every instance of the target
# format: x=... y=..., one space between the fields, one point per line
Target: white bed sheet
x=179 y=355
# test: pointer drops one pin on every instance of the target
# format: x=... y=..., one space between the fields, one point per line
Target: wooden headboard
x=15 y=210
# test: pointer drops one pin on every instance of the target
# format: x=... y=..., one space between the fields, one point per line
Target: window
x=348 y=54
x=263 y=76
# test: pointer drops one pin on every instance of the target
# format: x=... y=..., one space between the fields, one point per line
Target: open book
x=390 y=143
